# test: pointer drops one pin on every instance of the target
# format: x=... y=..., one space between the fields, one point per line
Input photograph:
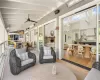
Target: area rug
x=40 y=72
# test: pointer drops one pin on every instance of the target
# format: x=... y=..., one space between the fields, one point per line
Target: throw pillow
x=47 y=51
x=24 y=56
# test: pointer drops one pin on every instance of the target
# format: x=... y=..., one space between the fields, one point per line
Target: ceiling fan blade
x=29 y=20
x=25 y=21
x=33 y=21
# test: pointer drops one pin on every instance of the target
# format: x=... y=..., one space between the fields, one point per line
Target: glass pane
x=80 y=29
x=41 y=36
x=99 y=12
x=99 y=28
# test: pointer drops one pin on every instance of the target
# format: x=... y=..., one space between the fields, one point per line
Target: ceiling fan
x=29 y=20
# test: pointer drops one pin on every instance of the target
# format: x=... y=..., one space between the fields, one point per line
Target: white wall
x=35 y=35
x=3 y=32
x=32 y=36
x=6 y=35
x=49 y=27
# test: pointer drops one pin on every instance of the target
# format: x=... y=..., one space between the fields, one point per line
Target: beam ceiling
x=15 y=12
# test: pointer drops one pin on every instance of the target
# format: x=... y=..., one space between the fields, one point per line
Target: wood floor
x=78 y=59
x=79 y=72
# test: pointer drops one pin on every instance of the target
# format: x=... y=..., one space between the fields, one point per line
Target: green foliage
x=10 y=43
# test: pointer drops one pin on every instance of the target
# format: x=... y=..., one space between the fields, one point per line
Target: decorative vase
x=54 y=72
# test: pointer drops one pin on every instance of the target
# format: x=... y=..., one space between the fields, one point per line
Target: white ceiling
x=15 y=12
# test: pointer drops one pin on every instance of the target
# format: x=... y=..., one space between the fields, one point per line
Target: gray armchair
x=17 y=64
x=47 y=58
x=94 y=73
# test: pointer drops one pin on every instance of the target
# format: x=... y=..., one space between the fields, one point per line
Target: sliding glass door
x=79 y=31
x=98 y=30
x=41 y=36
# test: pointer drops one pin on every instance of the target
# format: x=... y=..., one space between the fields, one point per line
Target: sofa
x=20 y=60
x=94 y=73
x=47 y=55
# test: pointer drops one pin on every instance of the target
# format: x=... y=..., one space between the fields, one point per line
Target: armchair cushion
x=22 y=50
x=22 y=54
x=48 y=57
x=47 y=51
x=25 y=62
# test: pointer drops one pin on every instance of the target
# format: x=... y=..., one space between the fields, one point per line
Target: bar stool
x=93 y=53
x=70 y=50
x=80 y=51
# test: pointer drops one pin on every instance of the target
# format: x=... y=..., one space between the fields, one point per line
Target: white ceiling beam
x=14 y=19
x=13 y=11
x=12 y=5
x=3 y=7
x=63 y=1
x=8 y=18
x=26 y=2
x=21 y=13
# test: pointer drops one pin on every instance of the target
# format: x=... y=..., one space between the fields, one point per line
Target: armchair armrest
x=18 y=62
x=96 y=65
x=32 y=56
x=41 y=52
x=53 y=53
x=15 y=62
x=14 y=59
x=41 y=55
x=15 y=65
